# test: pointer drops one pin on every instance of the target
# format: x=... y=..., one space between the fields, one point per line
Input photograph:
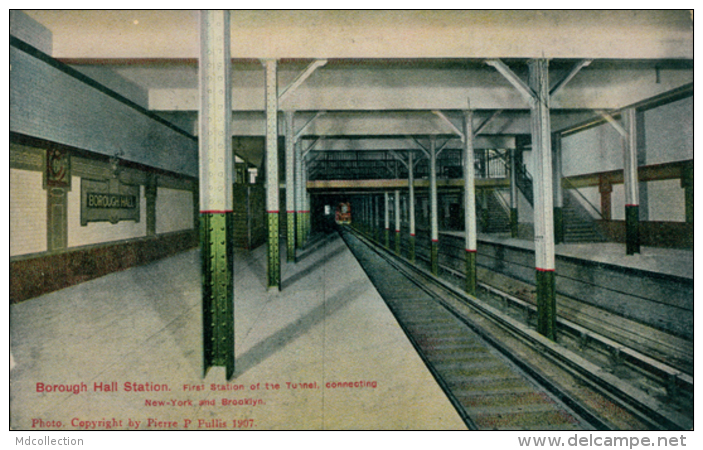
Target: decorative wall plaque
x=58 y=168
x=108 y=201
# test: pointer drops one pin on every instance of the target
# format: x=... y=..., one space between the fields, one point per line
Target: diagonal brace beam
x=527 y=92
x=399 y=158
x=443 y=146
x=424 y=149
x=574 y=70
x=300 y=79
x=307 y=150
x=485 y=123
x=611 y=120
x=454 y=128
x=308 y=123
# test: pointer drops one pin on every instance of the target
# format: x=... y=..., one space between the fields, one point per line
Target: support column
x=386 y=221
x=272 y=179
x=216 y=179
x=411 y=206
x=632 y=209
x=434 y=227
x=643 y=195
x=469 y=205
x=362 y=213
x=299 y=202
x=397 y=222
x=150 y=190
x=605 y=188
x=687 y=185
x=377 y=218
x=558 y=193
x=544 y=220
x=371 y=218
x=513 y=194
x=290 y=186
x=369 y=208
x=307 y=221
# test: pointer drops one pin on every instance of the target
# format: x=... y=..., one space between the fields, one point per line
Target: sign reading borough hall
x=108 y=201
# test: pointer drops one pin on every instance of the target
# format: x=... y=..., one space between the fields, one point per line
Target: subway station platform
x=656 y=260
x=653 y=287
x=124 y=352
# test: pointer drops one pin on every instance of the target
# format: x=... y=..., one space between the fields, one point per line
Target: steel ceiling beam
x=525 y=91
x=300 y=79
x=572 y=73
x=446 y=120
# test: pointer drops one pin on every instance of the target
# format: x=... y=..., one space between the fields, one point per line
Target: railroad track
x=471 y=349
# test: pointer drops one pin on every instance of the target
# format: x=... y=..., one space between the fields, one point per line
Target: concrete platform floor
x=141 y=329
x=669 y=261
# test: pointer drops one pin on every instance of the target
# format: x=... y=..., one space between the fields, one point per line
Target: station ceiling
x=386 y=74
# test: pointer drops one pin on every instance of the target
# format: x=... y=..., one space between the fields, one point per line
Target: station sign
x=109 y=201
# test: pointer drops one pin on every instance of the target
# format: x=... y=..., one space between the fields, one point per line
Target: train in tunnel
x=343 y=216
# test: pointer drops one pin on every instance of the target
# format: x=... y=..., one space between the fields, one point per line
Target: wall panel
x=27 y=212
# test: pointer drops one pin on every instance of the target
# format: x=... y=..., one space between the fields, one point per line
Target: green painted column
x=290 y=186
x=632 y=229
x=470 y=235
x=470 y=272
x=544 y=198
x=290 y=236
x=513 y=223
x=546 y=312
x=272 y=178
x=215 y=189
x=273 y=254
x=434 y=257
x=687 y=185
x=411 y=248
x=150 y=190
x=631 y=182
x=216 y=254
x=300 y=229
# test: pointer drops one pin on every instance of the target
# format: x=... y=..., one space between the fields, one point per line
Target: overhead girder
x=379 y=34
x=396 y=123
x=342 y=144
x=379 y=87
x=383 y=73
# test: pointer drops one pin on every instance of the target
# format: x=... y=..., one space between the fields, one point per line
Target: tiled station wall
x=52 y=101
x=53 y=105
x=27 y=212
x=174 y=210
x=96 y=248
x=667 y=137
